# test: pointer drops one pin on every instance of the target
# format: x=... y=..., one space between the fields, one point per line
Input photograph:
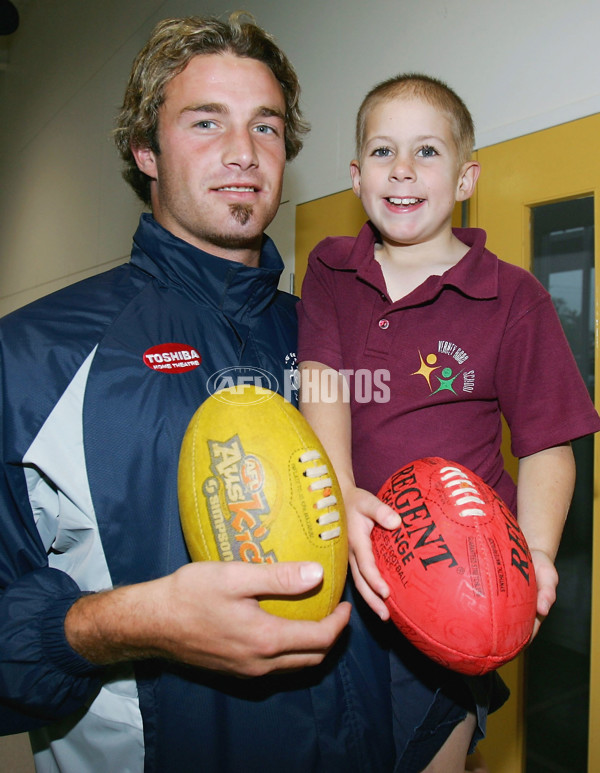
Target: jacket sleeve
x=41 y=677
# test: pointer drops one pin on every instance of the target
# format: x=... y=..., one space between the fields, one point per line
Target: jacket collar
x=475 y=275
x=233 y=288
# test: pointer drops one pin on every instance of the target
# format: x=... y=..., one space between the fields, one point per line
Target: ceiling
x=8 y=10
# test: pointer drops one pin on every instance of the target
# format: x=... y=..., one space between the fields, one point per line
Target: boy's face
x=409 y=176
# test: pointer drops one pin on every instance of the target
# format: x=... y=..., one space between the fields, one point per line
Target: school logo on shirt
x=172 y=358
x=446 y=369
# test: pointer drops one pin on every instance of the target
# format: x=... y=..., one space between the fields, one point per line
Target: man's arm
x=207 y=615
x=331 y=421
x=55 y=639
x=544 y=491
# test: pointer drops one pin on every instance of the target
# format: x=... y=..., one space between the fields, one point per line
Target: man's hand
x=206 y=614
x=363 y=511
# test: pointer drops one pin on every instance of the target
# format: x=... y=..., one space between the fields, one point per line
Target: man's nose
x=240 y=149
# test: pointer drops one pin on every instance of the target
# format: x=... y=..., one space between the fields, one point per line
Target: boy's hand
x=363 y=510
x=546 y=577
x=544 y=491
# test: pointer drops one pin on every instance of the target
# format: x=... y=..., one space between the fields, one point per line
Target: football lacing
x=322 y=481
x=465 y=492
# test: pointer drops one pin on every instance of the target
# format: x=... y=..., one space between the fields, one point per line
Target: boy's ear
x=355 y=175
x=467 y=179
x=145 y=160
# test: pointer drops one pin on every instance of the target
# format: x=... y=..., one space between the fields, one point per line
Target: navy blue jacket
x=99 y=382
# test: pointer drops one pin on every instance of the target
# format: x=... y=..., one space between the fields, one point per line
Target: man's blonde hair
x=173 y=43
x=431 y=90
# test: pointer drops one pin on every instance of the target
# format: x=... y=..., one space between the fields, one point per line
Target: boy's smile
x=404 y=202
x=409 y=176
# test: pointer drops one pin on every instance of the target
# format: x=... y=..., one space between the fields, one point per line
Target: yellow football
x=256 y=485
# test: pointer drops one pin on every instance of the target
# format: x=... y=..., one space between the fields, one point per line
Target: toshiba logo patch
x=172 y=358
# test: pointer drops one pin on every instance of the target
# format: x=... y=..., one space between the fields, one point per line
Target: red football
x=461 y=579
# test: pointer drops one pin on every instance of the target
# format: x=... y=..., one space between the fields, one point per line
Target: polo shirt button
x=384 y=324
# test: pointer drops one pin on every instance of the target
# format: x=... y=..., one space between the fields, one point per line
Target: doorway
x=538 y=202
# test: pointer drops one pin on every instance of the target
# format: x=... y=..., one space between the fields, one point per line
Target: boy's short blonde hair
x=431 y=90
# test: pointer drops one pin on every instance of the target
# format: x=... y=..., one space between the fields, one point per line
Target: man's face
x=217 y=179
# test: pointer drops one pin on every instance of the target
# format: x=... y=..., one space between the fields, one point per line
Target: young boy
x=427 y=338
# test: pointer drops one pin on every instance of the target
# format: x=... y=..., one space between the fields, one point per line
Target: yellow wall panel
x=340 y=214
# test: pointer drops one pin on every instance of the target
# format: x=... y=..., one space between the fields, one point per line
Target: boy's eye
x=382 y=152
x=427 y=151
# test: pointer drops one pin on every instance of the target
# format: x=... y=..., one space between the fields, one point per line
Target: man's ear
x=467 y=179
x=145 y=158
x=355 y=175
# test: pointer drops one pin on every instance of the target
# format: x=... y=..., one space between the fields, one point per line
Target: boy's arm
x=544 y=491
x=331 y=420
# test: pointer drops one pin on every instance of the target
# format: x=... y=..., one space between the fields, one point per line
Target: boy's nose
x=402 y=169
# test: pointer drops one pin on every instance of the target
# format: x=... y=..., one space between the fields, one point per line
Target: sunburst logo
x=440 y=377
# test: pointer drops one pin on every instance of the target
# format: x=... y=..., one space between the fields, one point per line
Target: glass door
x=557 y=698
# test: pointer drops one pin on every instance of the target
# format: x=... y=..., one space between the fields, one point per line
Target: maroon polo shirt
x=431 y=374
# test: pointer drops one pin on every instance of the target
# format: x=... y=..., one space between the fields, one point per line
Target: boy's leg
x=476 y=763
x=452 y=755
x=437 y=714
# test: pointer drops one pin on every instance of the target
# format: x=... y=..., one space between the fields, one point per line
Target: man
x=116 y=651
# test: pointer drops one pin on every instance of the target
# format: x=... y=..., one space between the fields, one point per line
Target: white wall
x=64 y=210
x=520 y=65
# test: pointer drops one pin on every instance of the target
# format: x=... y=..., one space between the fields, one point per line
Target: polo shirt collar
x=475 y=275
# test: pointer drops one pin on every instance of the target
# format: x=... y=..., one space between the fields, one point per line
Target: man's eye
x=205 y=124
x=427 y=151
x=265 y=129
